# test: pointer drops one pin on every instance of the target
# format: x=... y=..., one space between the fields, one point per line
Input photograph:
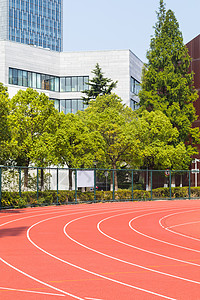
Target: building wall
x=118 y=65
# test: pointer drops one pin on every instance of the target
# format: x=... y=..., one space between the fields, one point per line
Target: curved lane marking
x=33 y=292
x=181 y=234
x=141 y=249
x=158 y=240
x=88 y=271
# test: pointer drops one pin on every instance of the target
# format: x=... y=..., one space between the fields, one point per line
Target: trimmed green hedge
x=12 y=199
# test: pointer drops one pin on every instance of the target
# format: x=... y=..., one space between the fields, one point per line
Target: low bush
x=13 y=199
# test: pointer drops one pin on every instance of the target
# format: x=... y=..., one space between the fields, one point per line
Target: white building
x=63 y=75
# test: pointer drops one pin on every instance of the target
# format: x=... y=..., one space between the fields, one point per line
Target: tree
x=166 y=83
x=4 y=127
x=32 y=121
x=99 y=85
x=75 y=145
x=158 y=148
x=114 y=121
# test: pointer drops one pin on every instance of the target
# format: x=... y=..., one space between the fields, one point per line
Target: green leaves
x=167 y=85
x=98 y=85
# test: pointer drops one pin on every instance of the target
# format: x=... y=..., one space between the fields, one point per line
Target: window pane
x=43 y=81
x=52 y=83
x=74 y=106
x=10 y=76
x=34 y=80
x=68 y=106
x=20 y=79
x=68 y=84
x=29 y=79
x=62 y=106
x=39 y=81
x=57 y=84
x=74 y=84
x=57 y=104
x=62 y=84
x=80 y=84
x=85 y=81
x=15 y=77
x=25 y=78
x=80 y=105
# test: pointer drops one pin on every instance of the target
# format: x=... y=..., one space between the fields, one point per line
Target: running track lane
x=104 y=251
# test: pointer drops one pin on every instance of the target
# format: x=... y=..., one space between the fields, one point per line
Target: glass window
x=57 y=104
x=52 y=83
x=20 y=78
x=34 y=80
x=62 y=84
x=80 y=83
x=74 y=84
x=25 y=78
x=74 y=106
x=10 y=76
x=80 y=105
x=29 y=79
x=85 y=81
x=57 y=88
x=62 y=106
x=68 y=84
x=68 y=106
x=15 y=77
x=39 y=81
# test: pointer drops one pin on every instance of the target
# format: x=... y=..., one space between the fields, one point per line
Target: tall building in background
x=32 y=22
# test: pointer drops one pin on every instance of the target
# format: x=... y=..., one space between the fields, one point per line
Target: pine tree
x=99 y=85
x=166 y=84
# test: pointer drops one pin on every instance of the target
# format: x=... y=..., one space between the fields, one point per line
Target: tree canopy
x=98 y=85
x=32 y=120
x=167 y=84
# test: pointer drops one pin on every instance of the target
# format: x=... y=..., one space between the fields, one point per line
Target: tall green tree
x=32 y=121
x=166 y=83
x=98 y=85
x=113 y=121
x=75 y=145
x=158 y=143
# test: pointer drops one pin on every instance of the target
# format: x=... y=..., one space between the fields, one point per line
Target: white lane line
x=182 y=224
x=88 y=271
x=158 y=240
x=29 y=276
x=141 y=249
x=178 y=233
x=124 y=261
x=33 y=292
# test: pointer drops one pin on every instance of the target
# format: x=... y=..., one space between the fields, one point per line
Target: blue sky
x=122 y=24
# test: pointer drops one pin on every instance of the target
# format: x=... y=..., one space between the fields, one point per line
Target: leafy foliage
x=98 y=85
x=167 y=85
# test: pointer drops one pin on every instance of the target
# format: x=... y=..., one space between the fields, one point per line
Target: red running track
x=110 y=251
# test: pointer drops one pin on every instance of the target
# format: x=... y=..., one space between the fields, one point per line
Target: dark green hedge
x=12 y=199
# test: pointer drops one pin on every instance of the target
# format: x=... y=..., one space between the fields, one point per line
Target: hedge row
x=12 y=199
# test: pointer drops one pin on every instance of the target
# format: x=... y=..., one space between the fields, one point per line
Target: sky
x=122 y=24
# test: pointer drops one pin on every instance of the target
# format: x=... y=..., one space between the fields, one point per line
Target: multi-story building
x=31 y=56
x=63 y=75
x=32 y=22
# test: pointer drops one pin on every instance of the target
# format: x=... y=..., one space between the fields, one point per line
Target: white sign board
x=85 y=178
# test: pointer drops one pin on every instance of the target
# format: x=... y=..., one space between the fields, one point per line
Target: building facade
x=63 y=75
x=32 y=22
